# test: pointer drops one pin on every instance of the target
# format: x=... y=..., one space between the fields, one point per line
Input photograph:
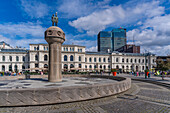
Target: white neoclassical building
x=74 y=57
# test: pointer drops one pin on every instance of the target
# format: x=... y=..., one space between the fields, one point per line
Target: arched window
x=139 y=61
x=3 y=68
x=90 y=66
x=123 y=67
x=72 y=49
x=79 y=58
x=23 y=58
x=45 y=57
x=86 y=66
x=71 y=58
x=45 y=66
x=65 y=66
x=71 y=66
x=47 y=48
x=99 y=59
x=143 y=67
x=3 y=58
x=95 y=66
x=17 y=58
x=108 y=66
x=44 y=48
x=10 y=67
x=117 y=60
x=100 y=66
x=65 y=57
x=85 y=59
x=109 y=60
x=143 y=61
x=78 y=50
x=90 y=59
x=104 y=67
x=127 y=67
x=66 y=49
x=36 y=57
x=23 y=67
x=127 y=60
x=94 y=59
x=122 y=59
x=35 y=48
x=10 y=58
x=16 y=68
x=104 y=60
x=135 y=60
x=153 y=61
x=131 y=60
x=79 y=65
x=117 y=67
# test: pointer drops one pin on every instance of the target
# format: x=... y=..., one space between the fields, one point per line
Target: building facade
x=129 y=48
x=74 y=57
x=111 y=39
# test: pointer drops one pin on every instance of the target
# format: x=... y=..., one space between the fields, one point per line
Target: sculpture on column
x=55 y=37
x=54 y=19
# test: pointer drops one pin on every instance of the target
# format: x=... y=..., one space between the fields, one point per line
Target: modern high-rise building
x=111 y=39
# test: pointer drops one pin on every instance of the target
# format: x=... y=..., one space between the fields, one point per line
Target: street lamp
x=110 y=54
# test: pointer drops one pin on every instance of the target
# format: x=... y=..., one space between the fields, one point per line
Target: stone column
x=55 y=37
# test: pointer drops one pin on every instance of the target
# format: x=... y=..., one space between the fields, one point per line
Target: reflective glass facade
x=111 y=39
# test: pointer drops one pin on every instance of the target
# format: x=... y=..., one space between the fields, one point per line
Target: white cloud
x=34 y=9
x=94 y=49
x=22 y=29
x=117 y=16
x=154 y=35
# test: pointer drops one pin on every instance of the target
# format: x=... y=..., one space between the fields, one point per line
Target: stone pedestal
x=55 y=37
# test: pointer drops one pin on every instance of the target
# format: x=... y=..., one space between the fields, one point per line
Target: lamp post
x=110 y=55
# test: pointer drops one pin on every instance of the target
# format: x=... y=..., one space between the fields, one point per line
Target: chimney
x=4 y=45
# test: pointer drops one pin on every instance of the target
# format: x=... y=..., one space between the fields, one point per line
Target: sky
x=23 y=22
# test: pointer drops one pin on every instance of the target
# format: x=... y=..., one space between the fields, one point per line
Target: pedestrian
x=137 y=73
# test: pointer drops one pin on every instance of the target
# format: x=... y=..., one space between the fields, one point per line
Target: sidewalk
x=152 y=78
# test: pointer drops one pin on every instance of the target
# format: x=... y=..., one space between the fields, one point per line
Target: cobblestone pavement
x=141 y=98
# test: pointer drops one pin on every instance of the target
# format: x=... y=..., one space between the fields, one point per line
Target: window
x=99 y=59
x=79 y=58
x=36 y=57
x=47 y=48
x=35 y=48
x=44 y=48
x=109 y=60
x=79 y=65
x=153 y=61
x=86 y=66
x=143 y=67
x=3 y=68
x=90 y=66
x=45 y=57
x=123 y=67
x=146 y=60
x=45 y=66
x=127 y=60
x=135 y=60
x=85 y=59
x=23 y=67
x=72 y=49
x=71 y=66
x=36 y=65
x=3 y=58
x=117 y=60
x=80 y=50
x=94 y=59
x=143 y=61
x=131 y=60
x=127 y=67
x=66 y=49
x=95 y=66
x=104 y=60
x=65 y=66
x=17 y=58
x=100 y=66
x=23 y=58
x=10 y=67
x=122 y=59
x=65 y=57
x=89 y=59
x=108 y=66
x=139 y=60
x=16 y=68
x=71 y=58
x=10 y=58
x=104 y=67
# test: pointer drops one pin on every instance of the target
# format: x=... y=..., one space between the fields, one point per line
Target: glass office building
x=111 y=39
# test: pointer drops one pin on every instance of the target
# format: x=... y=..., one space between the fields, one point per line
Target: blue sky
x=24 y=21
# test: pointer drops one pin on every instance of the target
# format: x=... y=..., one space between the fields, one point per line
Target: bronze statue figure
x=54 y=19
